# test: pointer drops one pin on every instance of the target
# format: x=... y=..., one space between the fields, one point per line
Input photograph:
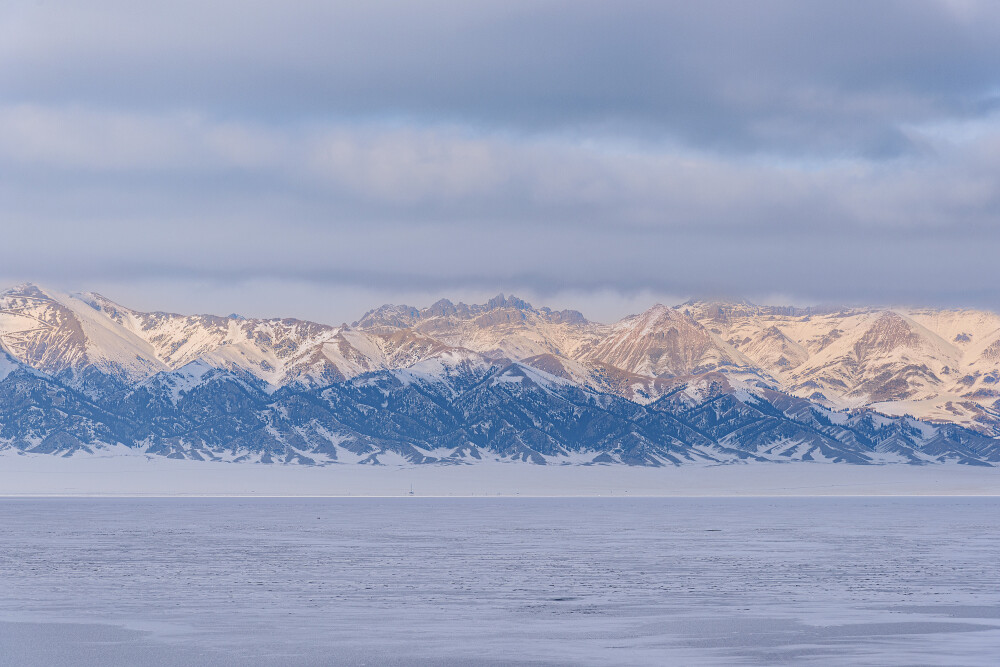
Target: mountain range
x=713 y=382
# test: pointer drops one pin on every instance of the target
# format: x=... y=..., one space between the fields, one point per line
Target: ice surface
x=874 y=581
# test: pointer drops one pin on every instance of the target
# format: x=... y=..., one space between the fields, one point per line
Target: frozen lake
x=757 y=581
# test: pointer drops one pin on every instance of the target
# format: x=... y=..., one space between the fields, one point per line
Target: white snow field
x=120 y=471
x=499 y=581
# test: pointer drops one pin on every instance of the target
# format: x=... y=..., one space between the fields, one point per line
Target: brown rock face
x=663 y=342
x=888 y=333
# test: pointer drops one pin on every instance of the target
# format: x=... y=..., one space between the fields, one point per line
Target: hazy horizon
x=605 y=303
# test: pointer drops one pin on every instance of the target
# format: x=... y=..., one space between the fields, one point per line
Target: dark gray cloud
x=789 y=76
x=821 y=151
x=784 y=76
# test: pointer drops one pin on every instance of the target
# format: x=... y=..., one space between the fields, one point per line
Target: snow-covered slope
x=458 y=408
x=63 y=336
x=279 y=352
x=8 y=365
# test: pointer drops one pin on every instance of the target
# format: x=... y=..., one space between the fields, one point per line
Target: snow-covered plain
x=454 y=581
x=120 y=471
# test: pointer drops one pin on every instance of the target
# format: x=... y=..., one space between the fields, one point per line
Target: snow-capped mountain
x=710 y=382
x=935 y=364
x=78 y=337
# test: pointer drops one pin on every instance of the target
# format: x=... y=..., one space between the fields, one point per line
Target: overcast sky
x=317 y=158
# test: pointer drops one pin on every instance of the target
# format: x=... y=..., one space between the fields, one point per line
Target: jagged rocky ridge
x=455 y=383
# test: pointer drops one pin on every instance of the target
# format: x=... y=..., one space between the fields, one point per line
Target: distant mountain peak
x=710 y=301
x=26 y=289
x=388 y=317
x=500 y=301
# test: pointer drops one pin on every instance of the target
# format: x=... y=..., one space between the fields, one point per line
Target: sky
x=318 y=158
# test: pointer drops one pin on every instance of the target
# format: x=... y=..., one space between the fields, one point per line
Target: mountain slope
x=710 y=382
x=941 y=365
x=457 y=408
x=663 y=342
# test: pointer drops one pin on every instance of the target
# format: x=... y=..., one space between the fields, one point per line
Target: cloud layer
x=826 y=152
